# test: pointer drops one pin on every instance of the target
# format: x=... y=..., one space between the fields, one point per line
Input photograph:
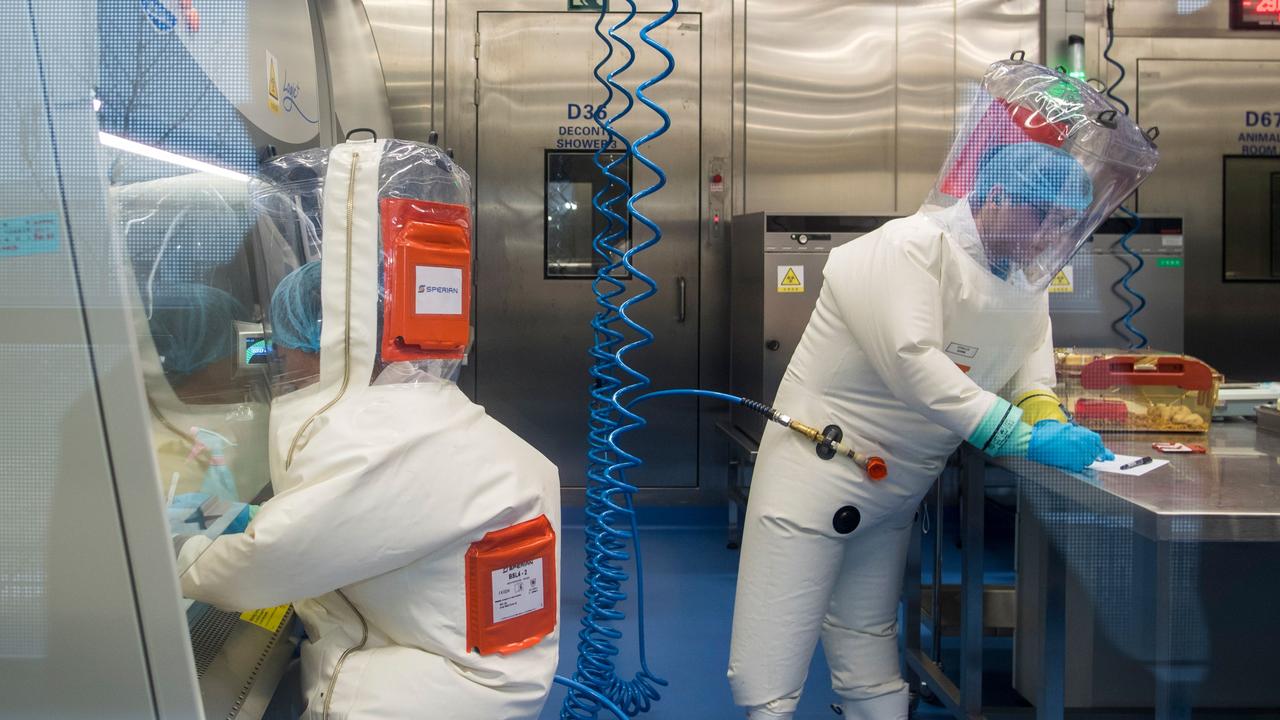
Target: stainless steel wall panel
x=355 y=69
x=739 y=109
x=1200 y=107
x=1200 y=24
x=986 y=31
x=1128 y=50
x=532 y=334
x=718 y=99
x=990 y=30
x=1172 y=17
x=456 y=119
x=1195 y=89
x=820 y=106
x=926 y=97
x=403 y=33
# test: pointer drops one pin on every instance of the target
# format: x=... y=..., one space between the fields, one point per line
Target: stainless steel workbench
x=1230 y=494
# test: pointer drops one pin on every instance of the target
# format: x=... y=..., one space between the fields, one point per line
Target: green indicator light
x=1169 y=262
x=1063 y=91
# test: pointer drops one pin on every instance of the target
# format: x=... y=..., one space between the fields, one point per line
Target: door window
x=572 y=224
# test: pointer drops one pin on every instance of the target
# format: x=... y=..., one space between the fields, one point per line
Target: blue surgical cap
x=295 y=309
x=193 y=327
x=1035 y=174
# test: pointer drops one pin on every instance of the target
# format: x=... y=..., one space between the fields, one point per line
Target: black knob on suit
x=846 y=519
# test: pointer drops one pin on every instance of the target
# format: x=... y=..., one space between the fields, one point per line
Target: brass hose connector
x=875 y=467
x=827 y=440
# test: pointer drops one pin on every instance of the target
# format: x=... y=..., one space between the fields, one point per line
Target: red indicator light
x=716 y=178
x=716 y=218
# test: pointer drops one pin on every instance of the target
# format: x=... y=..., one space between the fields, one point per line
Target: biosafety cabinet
x=777 y=261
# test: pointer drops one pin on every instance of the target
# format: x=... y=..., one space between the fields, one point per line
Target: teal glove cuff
x=1019 y=441
x=998 y=426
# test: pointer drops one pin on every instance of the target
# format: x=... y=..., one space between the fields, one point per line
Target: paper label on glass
x=517 y=590
x=439 y=291
x=30 y=234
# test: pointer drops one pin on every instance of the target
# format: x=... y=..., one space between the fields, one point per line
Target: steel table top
x=1230 y=493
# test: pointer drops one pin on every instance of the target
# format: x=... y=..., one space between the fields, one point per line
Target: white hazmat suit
x=928 y=332
x=387 y=479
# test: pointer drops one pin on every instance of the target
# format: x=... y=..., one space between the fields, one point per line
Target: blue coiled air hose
x=1138 y=339
x=1141 y=341
x=611 y=522
x=1106 y=54
x=601 y=701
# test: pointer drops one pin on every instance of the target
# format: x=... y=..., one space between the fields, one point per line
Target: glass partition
x=184 y=100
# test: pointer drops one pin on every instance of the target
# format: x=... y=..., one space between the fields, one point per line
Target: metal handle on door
x=682 y=290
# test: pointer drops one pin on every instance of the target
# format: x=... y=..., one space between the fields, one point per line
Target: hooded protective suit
x=923 y=332
x=393 y=490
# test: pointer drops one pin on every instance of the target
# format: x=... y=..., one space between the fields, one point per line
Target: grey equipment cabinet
x=1087 y=300
x=776 y=272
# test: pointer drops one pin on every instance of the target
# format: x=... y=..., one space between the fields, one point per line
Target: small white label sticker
x=962 y=350
x=439 y=291
x=517 y=590
x=1171 y=240
x=790 y=278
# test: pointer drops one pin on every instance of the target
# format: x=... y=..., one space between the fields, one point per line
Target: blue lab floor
x=689 y=586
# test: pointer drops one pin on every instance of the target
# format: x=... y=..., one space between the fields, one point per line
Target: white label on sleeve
x=439 y=291
x=517 y=590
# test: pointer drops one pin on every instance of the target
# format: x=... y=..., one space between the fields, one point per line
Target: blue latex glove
x=1066 y=446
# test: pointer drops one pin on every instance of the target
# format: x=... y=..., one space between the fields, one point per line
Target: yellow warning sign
x=790 y=278
x=273 y=84
x=1063 y=282
x=268 y=619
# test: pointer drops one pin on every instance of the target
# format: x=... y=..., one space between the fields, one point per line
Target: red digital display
x=1255 y=14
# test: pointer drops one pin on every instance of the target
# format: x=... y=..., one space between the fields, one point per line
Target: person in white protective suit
x=931 y=331
x=416 y=537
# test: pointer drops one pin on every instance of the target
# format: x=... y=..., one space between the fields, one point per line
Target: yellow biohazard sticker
x=268 y=619
x=790 y=278
x=273 y=84
x=1063 y=282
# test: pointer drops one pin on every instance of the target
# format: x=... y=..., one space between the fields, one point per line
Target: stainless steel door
x=535 y=132
x=1208 y=109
